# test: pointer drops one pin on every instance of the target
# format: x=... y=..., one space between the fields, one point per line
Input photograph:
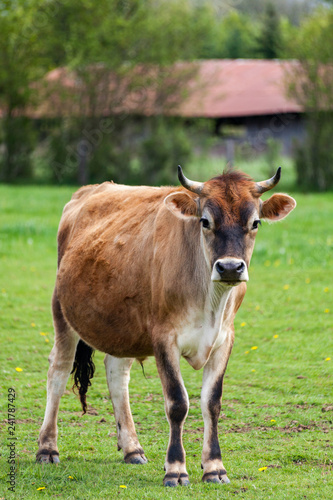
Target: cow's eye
x=256 y=224
x=204 y=222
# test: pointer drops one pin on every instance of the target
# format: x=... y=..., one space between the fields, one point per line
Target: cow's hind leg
x=61 y=362
x=118 y=377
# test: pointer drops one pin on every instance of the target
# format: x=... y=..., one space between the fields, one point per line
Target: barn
x=247 y=100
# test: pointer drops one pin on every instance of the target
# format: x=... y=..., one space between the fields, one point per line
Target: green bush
x=81 y=152
x=314 y=157
x=129 y=150
x=167 y=146
x=18 y=138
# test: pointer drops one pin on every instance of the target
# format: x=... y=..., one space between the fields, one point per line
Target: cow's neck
x=217 y=297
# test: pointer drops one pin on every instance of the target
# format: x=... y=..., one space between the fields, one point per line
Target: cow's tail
x=83 y=370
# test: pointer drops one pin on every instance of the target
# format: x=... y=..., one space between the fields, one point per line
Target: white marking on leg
x=118 y=377
x=61 y=362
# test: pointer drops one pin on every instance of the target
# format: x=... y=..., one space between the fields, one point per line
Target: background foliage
x=117 y=35
x=312 y=85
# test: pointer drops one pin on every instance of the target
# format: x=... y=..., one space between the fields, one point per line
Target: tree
x=99 y=44
x=311 y=83
x=269 y=41
x=231 y=36
x=20 y=64
x=105 y=44
x=238 y=34
x=293 y=10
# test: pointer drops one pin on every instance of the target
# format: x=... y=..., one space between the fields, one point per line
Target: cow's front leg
x=176 y=408
x=118 y=376
x=211 y=396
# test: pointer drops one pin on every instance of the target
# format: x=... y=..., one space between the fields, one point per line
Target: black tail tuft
x=83 y=371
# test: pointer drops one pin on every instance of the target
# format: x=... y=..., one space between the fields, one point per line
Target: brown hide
x=121 y=253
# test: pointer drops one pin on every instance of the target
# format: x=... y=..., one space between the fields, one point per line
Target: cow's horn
x=264 y=186
x=195 y=187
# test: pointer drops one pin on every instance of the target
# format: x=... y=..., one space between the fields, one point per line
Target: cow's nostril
x=220 y=268
x=241 y=267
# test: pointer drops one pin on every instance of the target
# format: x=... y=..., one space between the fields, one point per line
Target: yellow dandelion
x=243 y=324
x=43 y=334
x=47 y=340
x=275 y=337
x=247 y=352
x=253 y=370
x=326 y=311
x=326 y=289
x=33 y=325
x=272 y=420
x=18 y=369
x=41 y=488
x=267 y=263
x=70 y=477
x=254 y=348
x=328 y=359
x=262 y=469
x=286 y=287
x=307 y=281
x=122 y=486
x=257 y=308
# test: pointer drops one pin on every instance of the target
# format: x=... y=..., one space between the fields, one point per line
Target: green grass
x=273 y=395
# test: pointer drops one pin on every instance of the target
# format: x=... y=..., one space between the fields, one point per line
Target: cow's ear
x=277 y=207
x=182 y=205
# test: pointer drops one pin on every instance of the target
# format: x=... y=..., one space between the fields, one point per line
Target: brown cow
x=146 y=271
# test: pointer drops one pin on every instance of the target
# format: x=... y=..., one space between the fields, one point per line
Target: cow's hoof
x=225 y=479
x=44 y=456
x=184 y=480
x=212 y=480
x=219 y=477
x=173 y=479
x=135 y=458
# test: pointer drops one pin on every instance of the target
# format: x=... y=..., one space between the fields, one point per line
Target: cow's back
x=92 y=208
x=69 y=217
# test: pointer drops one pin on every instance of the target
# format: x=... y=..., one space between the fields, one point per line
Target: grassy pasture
x=278 y=385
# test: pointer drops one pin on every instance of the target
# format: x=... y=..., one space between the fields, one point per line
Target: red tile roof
x=240 y=87
x=211 y=88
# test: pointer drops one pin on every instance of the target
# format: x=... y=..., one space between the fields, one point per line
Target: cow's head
x=229 y=211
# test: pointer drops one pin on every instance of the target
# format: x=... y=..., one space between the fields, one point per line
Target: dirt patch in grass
x=294 y=426
x=327 y=408
x=20 y=421
x=244 y=428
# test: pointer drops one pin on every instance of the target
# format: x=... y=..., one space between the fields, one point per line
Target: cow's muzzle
x=230 y=271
